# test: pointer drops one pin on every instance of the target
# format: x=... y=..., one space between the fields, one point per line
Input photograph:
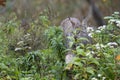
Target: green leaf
x=94 y=61
x=90 y=70
x=77 y=61
x=80 y=52
x=27 y=78
x=71 y=43
x=78 y=64
x=3 y=66
x=77 y=76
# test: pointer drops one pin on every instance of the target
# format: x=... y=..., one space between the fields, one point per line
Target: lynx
x=68 y=26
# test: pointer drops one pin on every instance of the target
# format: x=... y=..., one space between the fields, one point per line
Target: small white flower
x=103 y=78
x=97 y=31
x=90 y=34
x=99 y=27
x=103 y=46
x=102 y=27
x=99 y=75
x=118 y=25
x=90 y=29
x=20 y=42
x=94 y=78
x=111 y=21
x=17 y=49
x=97 y=46
x=27 y=35
x=92 y=52
x=29 y=48
x=97 y=58
x=118 y=21
x=116 y=13
x=87 y=54
x=112 y=44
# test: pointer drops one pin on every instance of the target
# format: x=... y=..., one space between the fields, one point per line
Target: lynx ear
x=86 y=19
x=69 y=24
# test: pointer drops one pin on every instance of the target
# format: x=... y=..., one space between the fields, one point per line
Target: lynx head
x=68 y=25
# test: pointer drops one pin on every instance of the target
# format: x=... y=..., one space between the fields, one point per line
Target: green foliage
x=98 y=61
x=55 y=41
x=39 y=53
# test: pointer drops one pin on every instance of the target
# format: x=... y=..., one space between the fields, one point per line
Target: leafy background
x=32 y=44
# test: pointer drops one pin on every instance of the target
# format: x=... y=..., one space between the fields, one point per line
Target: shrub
x=46 y=61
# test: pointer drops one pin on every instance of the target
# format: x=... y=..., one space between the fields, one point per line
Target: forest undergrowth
x=37 y=51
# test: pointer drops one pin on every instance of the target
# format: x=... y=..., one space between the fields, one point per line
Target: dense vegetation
x=38 y=52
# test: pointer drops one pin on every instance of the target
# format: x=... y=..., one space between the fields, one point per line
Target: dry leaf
x=2 y=2
x=118 y=57
x=69 y=67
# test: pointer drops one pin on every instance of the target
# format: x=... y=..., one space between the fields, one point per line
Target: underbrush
x=39 y=52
